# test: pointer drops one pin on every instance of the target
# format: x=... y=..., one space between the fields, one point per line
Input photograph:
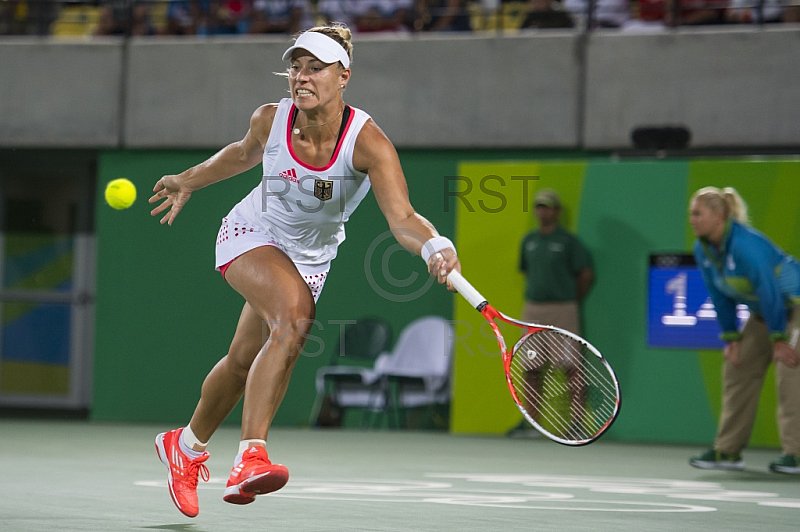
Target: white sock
x=188 y=441
x=244 y=445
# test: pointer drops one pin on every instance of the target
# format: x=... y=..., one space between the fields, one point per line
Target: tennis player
x=741 y=265
x=320 y=156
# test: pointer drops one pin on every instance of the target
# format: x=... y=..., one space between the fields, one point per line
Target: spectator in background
x=188 y=17
x=558 y=275
x=547 y=14
x=383 y=15
x=122 y=19
x=607 y=13
x=741 y=265
x=109 y=23
x=280 y=16
x=743 y=12
x=684 y=12
x=141 y=24
x=696 y=12
x=368 y=15
x=12 y=17
x=329 y=11
x=441 y=15
x=28 y=17
x=125 y=20
x=229 y=17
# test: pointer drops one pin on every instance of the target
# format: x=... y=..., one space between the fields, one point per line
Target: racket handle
x=472 y=296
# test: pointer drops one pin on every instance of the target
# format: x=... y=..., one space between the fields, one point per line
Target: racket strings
x=564 y=347
x=556 y=417
x=579 y=377
x=577 y=420
x=537 y=403
x=562 y=366
x=559 y=420
x=601 y=395
x=583 y=358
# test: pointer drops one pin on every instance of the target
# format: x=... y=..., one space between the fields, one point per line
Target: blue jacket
x=749 y=269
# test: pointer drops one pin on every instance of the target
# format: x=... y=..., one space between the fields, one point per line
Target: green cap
x=548 y=198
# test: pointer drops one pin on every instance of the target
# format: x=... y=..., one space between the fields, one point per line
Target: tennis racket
x=559 y=381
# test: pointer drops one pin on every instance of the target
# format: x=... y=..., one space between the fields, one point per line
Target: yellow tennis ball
x=120 y=193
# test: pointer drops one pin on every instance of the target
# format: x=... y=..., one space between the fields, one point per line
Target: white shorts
x=236 y=237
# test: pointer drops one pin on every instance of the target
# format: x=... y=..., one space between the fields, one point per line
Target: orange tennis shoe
x=182 y=471
x=254 y=475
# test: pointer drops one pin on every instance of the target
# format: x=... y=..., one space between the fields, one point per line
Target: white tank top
x=304 y=207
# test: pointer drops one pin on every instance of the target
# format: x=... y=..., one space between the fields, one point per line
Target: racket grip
x=469 y=293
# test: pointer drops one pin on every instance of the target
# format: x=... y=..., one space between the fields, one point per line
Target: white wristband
x=435 y=245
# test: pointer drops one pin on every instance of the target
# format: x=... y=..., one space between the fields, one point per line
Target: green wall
x=164 y=316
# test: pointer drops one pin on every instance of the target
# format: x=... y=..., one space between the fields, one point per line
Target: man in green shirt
x=557 y=267
x=558 y=275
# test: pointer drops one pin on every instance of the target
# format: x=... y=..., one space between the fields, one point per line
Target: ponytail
x=726 y=200
x=736 y=205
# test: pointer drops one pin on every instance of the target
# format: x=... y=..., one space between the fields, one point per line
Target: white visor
x=320 y=46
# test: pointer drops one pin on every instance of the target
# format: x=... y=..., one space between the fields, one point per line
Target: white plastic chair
x=415 y=373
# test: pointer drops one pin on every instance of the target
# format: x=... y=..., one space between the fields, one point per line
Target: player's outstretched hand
x=783 y=352
x=442 y=263
x=174 y=195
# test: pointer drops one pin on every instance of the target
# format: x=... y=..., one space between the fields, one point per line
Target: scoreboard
x=680 y=312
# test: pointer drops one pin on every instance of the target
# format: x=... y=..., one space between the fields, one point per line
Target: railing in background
x=69 y=18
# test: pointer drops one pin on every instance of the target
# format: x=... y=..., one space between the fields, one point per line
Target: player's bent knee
x=291 y=318
x=294 y=328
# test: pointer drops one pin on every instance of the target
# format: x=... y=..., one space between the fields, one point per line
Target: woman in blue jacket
x=740 y=265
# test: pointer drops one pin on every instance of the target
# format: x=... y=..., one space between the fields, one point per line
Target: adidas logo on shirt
x=289 y=175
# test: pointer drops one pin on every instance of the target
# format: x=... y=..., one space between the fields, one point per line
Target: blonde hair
x=726 y=201
x=339 y=32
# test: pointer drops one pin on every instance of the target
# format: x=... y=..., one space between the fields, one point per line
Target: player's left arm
x=375 y=155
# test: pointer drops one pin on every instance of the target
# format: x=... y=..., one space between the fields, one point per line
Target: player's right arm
x=233 y=159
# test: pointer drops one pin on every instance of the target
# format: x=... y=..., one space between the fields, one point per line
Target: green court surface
x=86 y=476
